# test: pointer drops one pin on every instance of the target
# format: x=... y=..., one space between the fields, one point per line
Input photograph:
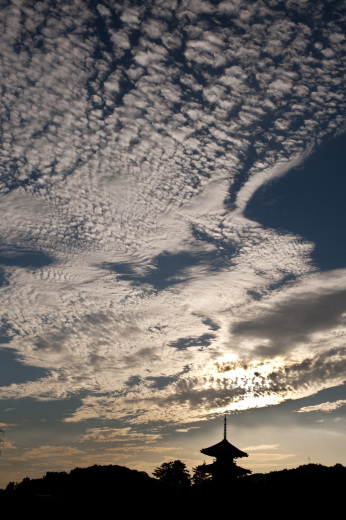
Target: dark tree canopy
x=173 y=474
x=200 y=477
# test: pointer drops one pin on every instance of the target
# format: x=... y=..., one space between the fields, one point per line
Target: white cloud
x=262 y=447
x=323 y=407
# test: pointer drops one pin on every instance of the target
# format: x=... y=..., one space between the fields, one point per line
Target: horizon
x=172 y=242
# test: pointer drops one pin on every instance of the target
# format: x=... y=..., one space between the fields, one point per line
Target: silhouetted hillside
x=83 y=489
x=314 y=474
x=307 y=491
x=98 y=489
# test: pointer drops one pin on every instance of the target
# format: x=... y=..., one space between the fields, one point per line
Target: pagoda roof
x=224 y=449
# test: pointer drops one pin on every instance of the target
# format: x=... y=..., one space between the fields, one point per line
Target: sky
x=172 y=232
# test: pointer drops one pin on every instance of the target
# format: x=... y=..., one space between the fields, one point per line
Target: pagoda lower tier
x=223 y=472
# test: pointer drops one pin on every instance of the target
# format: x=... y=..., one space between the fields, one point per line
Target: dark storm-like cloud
x=207 y=399
x=184 y=343
x=323 y=368
x=294 y=321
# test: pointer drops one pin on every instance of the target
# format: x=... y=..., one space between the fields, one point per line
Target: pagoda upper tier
x=224 y=449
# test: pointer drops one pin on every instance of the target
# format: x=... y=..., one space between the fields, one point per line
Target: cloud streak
x=323 y=407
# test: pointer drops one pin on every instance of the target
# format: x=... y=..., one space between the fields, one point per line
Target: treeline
x=101 y=489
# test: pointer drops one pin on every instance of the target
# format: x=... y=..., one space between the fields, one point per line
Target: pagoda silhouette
x=224 y=469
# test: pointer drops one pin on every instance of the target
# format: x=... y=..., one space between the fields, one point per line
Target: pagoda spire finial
x=225 y=428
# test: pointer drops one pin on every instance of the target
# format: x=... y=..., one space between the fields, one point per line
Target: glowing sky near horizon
x=173 y=224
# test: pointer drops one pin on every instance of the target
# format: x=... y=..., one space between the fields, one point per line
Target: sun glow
x=252 y=378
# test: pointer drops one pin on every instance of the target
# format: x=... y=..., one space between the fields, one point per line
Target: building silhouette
x=224 y=469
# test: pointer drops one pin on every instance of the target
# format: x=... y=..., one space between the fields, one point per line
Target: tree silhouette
x=199 y=477
x=173 y=474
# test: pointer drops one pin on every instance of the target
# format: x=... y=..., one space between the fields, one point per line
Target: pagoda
x=224 y=469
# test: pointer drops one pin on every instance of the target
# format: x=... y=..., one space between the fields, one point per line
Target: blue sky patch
x=310 y=201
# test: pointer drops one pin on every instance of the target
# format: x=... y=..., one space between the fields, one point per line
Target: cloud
x=265 y=460
x=262 y=447
x=248 y=190
x=50 y=452
x=6 y=425
x=322 y=407
x=118 y=435
x=185 y=430
x=297 y=315
x=301 y=378
x=126 y=143
x=293 y=321
x=229 y=386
